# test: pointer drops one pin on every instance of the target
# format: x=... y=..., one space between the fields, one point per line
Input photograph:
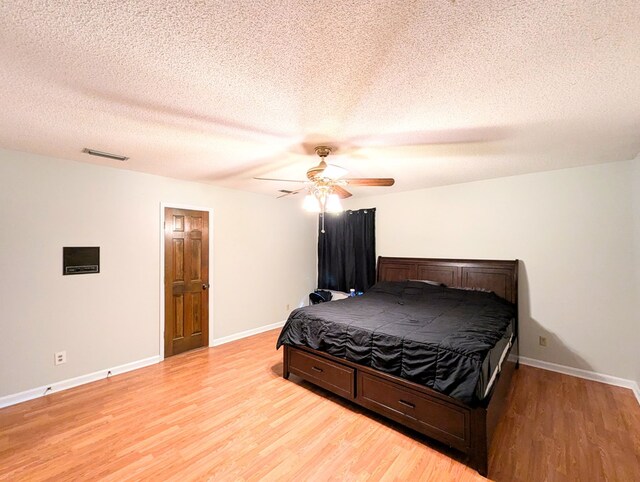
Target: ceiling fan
x=452 y=142
x=325 y=180
x=325 y=185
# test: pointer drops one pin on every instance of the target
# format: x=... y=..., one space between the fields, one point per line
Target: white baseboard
x=8 y=400
x=74 y=382
x=586 y=374
x=244 y=334
x=43 y=390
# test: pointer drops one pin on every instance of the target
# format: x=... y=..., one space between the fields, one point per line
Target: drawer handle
x=407 y=404
x=319 y=370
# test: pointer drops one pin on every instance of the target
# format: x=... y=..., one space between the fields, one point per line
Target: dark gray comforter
x=428 y=334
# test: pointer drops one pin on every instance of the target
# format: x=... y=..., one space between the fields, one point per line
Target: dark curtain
x=347 y=250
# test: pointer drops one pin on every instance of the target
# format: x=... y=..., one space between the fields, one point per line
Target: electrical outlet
x=542 y=340
x=60 y=358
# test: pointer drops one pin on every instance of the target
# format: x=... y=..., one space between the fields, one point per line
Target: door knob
x=205 y=286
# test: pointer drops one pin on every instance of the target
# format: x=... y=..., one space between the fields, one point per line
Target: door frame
x=191 y=207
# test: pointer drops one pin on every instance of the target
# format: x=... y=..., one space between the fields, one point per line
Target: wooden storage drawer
x=439 y=419
x=325 y=373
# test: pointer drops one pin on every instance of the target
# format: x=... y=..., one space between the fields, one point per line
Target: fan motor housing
x=323 y=151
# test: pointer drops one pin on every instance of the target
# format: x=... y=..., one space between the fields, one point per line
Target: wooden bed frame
x=466 y=428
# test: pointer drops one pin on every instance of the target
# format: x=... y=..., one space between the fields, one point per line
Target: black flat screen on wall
x=84 y=260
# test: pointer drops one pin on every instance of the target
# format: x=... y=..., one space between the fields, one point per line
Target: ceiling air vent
x=108 y=155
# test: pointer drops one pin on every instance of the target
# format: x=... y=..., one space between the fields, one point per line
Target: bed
x=432 y=346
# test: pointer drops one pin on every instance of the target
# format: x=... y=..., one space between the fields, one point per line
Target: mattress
x=447 y=339
x=492 y=363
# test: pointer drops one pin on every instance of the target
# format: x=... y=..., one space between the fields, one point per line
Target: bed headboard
x=501 y=277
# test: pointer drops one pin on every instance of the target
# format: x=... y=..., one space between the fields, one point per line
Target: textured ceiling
x=430 y=93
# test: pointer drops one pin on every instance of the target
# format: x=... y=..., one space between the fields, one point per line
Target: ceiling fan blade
x=334 y=172
x=371 y=181
x=280 y=180
x=317 y=170
x=341 y=192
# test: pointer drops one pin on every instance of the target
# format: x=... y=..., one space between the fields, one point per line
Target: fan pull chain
x=322 y=230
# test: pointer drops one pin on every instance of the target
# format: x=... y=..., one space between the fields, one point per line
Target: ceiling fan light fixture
x=311 y=204
x=333 y=204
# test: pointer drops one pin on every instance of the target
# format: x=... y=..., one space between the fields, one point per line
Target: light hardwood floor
x=225 y=413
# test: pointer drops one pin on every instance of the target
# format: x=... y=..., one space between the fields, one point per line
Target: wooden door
x=186 y=280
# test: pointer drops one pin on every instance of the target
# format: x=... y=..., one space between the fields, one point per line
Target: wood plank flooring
x=226 y=414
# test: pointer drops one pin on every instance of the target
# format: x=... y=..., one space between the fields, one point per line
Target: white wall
x=574 y=231
x=263 y=259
